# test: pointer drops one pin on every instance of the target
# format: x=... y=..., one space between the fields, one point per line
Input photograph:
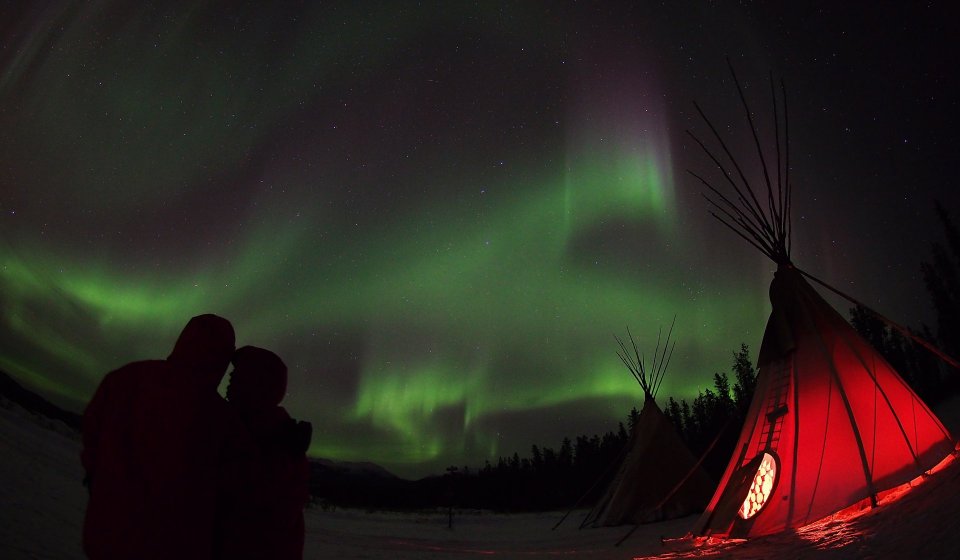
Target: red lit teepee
x=831 y=423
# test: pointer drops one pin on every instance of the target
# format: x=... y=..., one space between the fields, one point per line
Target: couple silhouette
x=174 y=471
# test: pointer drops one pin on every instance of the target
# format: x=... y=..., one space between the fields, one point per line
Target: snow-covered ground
x=42 y=502
x=42 y=498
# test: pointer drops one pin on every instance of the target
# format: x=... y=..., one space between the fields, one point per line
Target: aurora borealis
x=440 y=215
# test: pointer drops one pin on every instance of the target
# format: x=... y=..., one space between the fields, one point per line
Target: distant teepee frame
x=658 y=477
x=649 y=381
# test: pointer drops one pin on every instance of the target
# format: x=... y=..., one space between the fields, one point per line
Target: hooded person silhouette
x=264 y=517
x=153 y=438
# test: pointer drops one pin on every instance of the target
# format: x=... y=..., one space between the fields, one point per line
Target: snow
x=42 y=502
x=42 y=498
x=356 y=534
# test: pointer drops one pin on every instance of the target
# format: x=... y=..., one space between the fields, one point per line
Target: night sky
x=439 y=215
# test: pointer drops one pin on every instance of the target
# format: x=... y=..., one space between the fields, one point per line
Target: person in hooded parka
x=263 y=517
x=154 y=438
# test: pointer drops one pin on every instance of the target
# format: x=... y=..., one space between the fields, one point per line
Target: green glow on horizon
x=37 y=381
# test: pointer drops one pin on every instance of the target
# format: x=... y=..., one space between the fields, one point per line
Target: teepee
x=658 y=478
x=831 y=424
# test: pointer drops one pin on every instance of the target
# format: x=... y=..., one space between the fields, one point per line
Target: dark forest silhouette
x=942 y=279
x=929 y=376
x=716 y=414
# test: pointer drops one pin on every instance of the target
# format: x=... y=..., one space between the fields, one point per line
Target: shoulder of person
x=132 y=372
x=139 y=367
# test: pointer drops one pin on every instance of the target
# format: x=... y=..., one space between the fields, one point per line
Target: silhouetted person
x=153 y=436
x=264 y=517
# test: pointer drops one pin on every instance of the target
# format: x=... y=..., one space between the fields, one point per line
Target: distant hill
x=370 y=485
x=359 y=469
x=33 y=402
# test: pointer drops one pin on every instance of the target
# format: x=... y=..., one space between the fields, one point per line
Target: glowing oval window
x=760 y=488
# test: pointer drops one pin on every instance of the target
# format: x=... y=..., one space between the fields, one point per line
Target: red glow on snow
x=760 y=488
x=838 y=530
x=845 y=528
x=896 y=493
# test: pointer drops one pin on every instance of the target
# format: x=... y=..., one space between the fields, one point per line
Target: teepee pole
x=636 y=369
x=851 y=418
x=788 y=194
x=768 y=226
x=756 y=141
x=892 y=324
x=755 y=211
x=686 y=477
x=697 y=464
x=755 y=225
x=603 y=475
x=776 y=135
x=886 y=400
x=661 y=366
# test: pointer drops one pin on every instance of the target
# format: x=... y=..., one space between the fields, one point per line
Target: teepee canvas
x=658 y=478
x=831 y=423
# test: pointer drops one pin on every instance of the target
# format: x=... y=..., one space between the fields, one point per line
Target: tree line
x=927 y=374
x=714 y=419
x=578 y=472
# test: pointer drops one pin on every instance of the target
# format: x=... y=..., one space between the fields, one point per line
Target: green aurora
x=478 y=312
x=438 y=218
